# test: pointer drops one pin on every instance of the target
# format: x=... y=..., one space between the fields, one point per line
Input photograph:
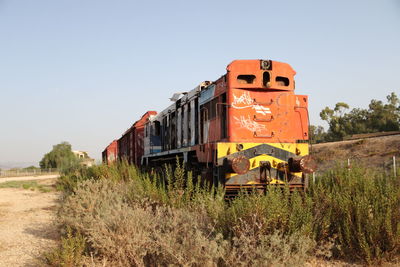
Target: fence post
x=394 y=166
x=313 y=177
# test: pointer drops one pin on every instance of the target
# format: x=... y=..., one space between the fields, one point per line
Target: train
x=247 y=129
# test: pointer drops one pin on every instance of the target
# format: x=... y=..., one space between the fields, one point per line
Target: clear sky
x=84 y=71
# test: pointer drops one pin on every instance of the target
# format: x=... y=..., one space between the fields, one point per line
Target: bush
x=361 y=210
x=133 y=233
x=277 y=210
x=133 y=218
x=251 y=248
x=68 y=182
x=70 y=253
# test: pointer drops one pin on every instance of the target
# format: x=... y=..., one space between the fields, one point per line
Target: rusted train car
x=246 y=129
x=110 y=153
x=130 y=145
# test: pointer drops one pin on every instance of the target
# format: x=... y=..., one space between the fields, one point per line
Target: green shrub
x=361 y=210
x=70 y=253
x=70 y=180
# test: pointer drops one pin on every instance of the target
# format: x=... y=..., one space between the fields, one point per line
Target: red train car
x=131 y=145
x=110 y=154
x=139 y=134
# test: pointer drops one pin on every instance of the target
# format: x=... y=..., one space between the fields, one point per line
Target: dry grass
x=31 y=185
x=131 y=219
x=129 y=232
x=374 y=152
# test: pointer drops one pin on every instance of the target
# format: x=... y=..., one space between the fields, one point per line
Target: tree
x=336 y=120
x=378 y=117
x=317 y=134
x=385 y=117
x=60 y=157
x=31 y=168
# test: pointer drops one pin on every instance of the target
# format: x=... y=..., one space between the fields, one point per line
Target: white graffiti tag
x=245 y=101
x=249 y=124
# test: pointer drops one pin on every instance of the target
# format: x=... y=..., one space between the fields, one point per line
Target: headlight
x=240 y=164
x=265 y=64
x=304 y=164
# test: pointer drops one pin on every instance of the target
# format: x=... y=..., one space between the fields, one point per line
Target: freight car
x=246 y=129
x=130 y=145
x=110 y=153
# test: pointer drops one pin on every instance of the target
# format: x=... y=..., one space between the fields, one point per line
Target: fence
x=27 y=172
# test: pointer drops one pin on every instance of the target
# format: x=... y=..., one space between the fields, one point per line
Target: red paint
x=131 y=145
x=261 y=113
x=110 y=154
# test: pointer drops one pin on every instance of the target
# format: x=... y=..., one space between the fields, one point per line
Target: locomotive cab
x=262 y=74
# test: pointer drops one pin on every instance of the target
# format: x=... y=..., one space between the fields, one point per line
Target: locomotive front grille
x=268 y=164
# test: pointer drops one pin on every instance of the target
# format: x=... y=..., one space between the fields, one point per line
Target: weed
x=361 y=209
x=70 y=253
x=18 y=184
x=44 y=189
x=26 y=186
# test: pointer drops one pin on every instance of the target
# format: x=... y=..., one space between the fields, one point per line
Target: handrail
x=263 y=103
x=263 y=120
x=264 y=136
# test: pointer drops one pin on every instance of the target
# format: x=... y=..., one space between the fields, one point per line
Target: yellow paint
x=257 y=160
x=273 y=181
x=300 y=149
x=225 y=149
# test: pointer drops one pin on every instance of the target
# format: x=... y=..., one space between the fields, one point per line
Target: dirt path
x=29 y=178
x=27 y=225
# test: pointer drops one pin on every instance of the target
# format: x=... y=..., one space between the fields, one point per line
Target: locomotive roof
x=187 y=96
x=235 y=66
x=141 y=121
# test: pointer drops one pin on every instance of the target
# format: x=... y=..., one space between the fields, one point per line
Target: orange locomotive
x=246 y=129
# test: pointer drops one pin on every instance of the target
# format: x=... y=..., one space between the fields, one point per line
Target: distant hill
x=376 y=152
x=11 y=165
